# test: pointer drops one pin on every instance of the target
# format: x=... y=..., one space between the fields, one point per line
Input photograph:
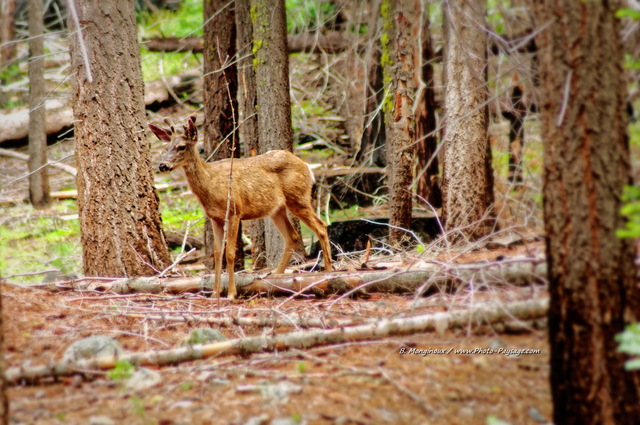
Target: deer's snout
x=164 y=168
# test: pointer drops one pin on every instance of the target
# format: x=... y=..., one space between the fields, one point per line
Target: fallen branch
x=290 y=320
x=427 y=280
x=442 y=321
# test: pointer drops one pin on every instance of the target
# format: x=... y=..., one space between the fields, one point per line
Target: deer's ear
x=193 y=130
x=160 y=133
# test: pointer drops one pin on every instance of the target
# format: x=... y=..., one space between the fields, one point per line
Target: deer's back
x=264 y=183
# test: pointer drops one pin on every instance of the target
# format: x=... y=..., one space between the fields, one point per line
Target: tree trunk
x=591 y=272
x=247 y=113
x=516 y=115
x=271 y=63
x=117 y=203
x=39 y=193
x=7 y=31
x=4 y=400
x=220 y=103
x=428 y=188
x=372 y=149
x=467 y=174
x=399 y=51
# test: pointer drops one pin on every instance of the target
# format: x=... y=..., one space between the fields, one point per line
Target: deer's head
x=181 y=145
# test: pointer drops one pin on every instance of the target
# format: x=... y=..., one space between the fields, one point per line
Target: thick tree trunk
x=399 y=41
x=591 y=272
x=428 y=187
x=220 y=103
x=118 y=205
x=39 y=193
x=271 y=63
x=248 y=116
x=468 y=177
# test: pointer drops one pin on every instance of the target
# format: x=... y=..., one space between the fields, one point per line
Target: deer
x=266 y=185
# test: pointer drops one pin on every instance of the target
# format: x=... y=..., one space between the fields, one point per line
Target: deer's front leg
x=218 y=238
x=232 y=238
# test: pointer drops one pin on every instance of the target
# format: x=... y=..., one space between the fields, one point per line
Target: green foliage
x=385 y=57
x=30 y=243
x=628 y=13
x=121 y=371
x=629 y=341
x=177 y=212
x=305 y=15
x=8 y=75
x=302 y=367
x=187 y=20
x=631 y=211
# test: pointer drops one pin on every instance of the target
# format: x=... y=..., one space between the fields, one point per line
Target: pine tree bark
x=271 y=64
x=220 y=101
x=39 y=193
x=117 y=203
x=399 y=41
x=428 y=187
x=467 y=186
x=591 y=272
x=247 y=113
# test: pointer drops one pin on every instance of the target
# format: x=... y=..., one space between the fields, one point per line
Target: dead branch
x=441 y=321
x=297 y=320
x=425 y=280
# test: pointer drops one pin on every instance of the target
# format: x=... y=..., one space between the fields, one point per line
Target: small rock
x=276 y=392
x=93 y=346
x=536 y=415
x=387 y=415
x=182 y=404
x=142 y=379
x=257 y=420
x=101 y=420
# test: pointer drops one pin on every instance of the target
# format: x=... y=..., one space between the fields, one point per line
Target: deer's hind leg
x=317 y=226
x=289 y=234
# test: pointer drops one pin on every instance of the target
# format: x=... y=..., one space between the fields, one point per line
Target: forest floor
x=368 y=382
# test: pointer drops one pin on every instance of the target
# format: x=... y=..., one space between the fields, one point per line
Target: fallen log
x=397 y=326
x=59 y=115
x=23 y=157
x=15 y=126
x=427 y=280
x=309 y=42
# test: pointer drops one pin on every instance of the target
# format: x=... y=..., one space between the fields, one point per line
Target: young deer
x=264 y=185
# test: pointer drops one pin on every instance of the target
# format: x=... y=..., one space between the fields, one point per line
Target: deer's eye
x=181 y=147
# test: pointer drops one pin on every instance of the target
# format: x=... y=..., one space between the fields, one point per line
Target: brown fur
x=263 y=185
